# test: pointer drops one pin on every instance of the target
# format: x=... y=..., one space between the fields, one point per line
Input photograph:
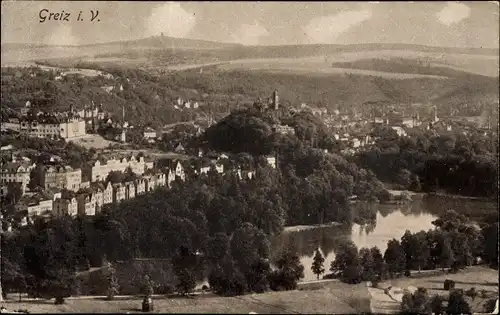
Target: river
x=390 y=221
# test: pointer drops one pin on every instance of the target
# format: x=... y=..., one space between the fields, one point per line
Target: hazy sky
x=459 y=24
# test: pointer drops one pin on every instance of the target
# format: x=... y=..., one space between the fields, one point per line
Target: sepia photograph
x=249 y=157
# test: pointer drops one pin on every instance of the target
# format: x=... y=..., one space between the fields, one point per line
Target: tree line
x=455 y=243
x=451 y=162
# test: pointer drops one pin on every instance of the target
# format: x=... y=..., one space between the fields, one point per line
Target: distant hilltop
x=318 y=49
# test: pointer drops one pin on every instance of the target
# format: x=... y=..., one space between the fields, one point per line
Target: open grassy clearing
x=310 y=66
x=333 y=298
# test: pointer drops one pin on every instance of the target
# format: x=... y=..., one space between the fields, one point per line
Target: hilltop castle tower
x=275 y=100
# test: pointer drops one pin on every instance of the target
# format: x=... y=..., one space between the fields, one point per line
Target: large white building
x=16 y=172
x=101 y=168
x=66 y=128
x=62 y=177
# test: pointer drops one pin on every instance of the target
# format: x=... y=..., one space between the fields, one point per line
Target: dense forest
x=41 y=150
x=451 y=162
x=198 y=215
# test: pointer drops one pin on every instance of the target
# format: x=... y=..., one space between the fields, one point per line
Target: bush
x=472 y=293
x=449 y=285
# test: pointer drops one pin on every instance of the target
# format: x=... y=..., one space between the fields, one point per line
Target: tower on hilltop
x=275 y=100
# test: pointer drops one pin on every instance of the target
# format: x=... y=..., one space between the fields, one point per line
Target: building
x=245 y=174
x=16 y=172
x=150 y=182
x=65 y=206
x=129 y=190
x=149 y=133
x=62 y=177
x=161 y=179
x=108 y=193
x=170 y=178
x=179 y=171
x=48 y=126
x=97 y=190
x=118 y=193
x=86 y=204
x=35 y=205
x=400 y=131
x=11 y=124
x=283 y=129
x=271 y=160
x=140 y=186
x=179 y=148
x=101 y=168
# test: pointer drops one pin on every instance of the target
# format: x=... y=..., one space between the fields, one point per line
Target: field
x=310 y=66
x=321 y=297
x=334 y=298
x=93 y=141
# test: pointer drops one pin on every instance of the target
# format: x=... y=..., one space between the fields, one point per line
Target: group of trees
x=453 y=162
x=455 y=244
x=202 y=212
x=419 y=302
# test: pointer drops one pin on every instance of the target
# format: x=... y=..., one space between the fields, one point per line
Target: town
x=275 y=166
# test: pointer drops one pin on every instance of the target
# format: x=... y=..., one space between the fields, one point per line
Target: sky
x=452 y=24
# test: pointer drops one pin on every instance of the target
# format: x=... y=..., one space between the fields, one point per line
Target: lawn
x=332 y=298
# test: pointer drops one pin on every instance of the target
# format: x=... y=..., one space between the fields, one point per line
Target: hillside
x=169 y=42
x=400 y=65
x=162 y=53
x=149 y=99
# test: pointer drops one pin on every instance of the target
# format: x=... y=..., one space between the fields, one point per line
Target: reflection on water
x=388 y=221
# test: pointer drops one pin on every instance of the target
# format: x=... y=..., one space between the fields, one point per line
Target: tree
x=346 y=263
x=249 y=245
x=12 y=278
x=225 y=279
x=379 y=266
x=289 y=271
x=51 y=260
x=446 y=257
x=367 y=263
x=394 y=257
x=404 y=178
x=490 y=251
x=115 y=177
x=436 y=304
x=457 y=303
x=318 y=264
x=186 y=281
x=147 y=286
x=113 y=286
x=416 y=303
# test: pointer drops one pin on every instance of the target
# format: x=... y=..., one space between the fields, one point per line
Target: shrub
x=449 y=284
x=471 y=293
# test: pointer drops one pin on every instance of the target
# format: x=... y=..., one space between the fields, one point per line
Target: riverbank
x=298 y=228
